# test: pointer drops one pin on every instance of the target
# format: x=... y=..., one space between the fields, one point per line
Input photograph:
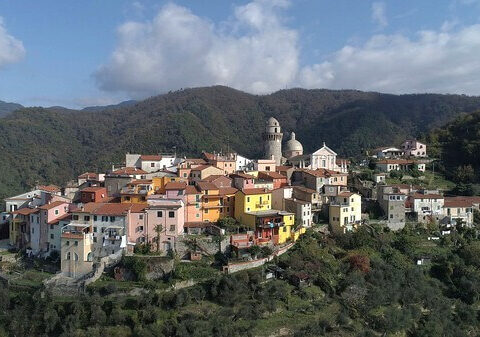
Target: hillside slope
x=6 y=108
x=42 y=145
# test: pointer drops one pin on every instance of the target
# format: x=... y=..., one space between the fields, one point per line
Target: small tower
x=273 y=140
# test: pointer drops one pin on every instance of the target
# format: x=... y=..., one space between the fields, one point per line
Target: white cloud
x=435 y=61
x=254 y=52
x=379 y=14
x=11 y=49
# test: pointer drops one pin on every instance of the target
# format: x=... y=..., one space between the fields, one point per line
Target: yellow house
x=136 y=192
x=251 y=200
x=345 y=212
x=158 y=183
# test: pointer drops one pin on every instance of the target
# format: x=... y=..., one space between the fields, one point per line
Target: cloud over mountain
x=256 y=51
x=11 y=49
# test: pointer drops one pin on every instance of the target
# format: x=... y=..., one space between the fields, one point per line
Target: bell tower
x=273 y=140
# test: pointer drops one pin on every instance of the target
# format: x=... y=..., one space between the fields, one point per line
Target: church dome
x=293 y=145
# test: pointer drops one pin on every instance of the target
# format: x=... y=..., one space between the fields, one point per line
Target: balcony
x=270 y=224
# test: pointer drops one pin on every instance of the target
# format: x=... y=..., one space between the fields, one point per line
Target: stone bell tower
x=273 y=140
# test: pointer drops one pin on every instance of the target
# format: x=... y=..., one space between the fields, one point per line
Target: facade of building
x=392 y=201
x=427 y=207
x=414 y=148
x=388 y=165
x=345 y=212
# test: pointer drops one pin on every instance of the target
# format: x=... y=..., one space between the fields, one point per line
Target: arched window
x=90 y=257
x=75 y=256
x=69 y=255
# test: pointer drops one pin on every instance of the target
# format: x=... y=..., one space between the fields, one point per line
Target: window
x=206 y=211
x=267 y=168
x=94 y=239
x=67 y=243
x=284 y=229
x=51 y=236
x=94 y=218
x=51 y=226
x=248 y=199
x=75 y=217
x=197 y=198
x=206 y=200
x=75 y=256
x=140 y=216
x=86 y=218
x=152 y=164
x=185 y=175
x=76 y=243
x=197 y=215
x=68 y=257
x=159 y=214
x=112 y=219
x=228 y=209
x=56 y=212
x=95 y=229
x=104 y=218
x=172 y=228
x=171 y=214
x=33 y=230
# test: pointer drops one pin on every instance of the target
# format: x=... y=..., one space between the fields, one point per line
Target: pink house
x=243 y=181
x=414 y=148
x=170 y=215
x=48 y=213
x=136 y=226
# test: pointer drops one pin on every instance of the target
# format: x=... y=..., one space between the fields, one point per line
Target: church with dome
x=323 y=158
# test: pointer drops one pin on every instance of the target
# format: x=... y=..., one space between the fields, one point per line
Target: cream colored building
x=76 y=250
x=345 y=212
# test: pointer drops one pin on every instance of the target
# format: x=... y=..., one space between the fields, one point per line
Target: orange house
x=227 y=201
x=211 y=201
x=160 y=182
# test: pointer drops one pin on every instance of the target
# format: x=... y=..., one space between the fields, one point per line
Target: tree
x=158 y=231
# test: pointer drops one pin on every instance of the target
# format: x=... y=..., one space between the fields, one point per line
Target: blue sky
x=81 y=53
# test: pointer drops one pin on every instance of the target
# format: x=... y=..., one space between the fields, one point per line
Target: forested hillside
x=457 y=144
x=6 y=108
x=51 y=145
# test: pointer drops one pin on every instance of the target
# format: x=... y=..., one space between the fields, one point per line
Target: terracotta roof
x=151 y=157
x=242 y=175
x=26 y=211
x=176 y=185
x=340 y=160
x=345 y=194
x=88 y=175
x=461 y=201
x=49 y=188
x=52 y=205
x=203 y=167
x=283 y=168
x=63 y=217
x=214 y=177
x=129 y=171
x=206 y=185
x=427 y=196
x=118 y=209
x=273 y=175
x=208 y=156
x=191 y=190
x=252 y=191
x=227 y=190
x=93 y=189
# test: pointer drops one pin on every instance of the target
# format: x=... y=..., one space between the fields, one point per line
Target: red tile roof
x=206 y=186
x=396 y=161
x=49 y=188
x=176 y=185
x=242 y=175
x=272 y=175
x=151 y=157
x=191 y=190
x=52 y=205
x=26 y=211
x=227 y=190
x=203 y=167
x=323 y=173
x=88 y=175
x=66 y=216
x=252 y=191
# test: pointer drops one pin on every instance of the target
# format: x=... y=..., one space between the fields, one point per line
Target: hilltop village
x=159 y=202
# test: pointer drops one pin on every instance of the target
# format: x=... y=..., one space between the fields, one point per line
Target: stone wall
x=235 y=267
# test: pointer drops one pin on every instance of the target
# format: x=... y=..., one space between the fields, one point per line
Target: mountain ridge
x=44 y=145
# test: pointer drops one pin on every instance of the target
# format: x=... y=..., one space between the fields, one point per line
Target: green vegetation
x=198 y=270
x=361 y=284
x=457 y=145
x=53 y=145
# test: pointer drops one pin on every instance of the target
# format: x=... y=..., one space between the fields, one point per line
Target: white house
x=414 y=148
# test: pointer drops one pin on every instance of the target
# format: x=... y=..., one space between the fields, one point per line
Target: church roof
x=323 y=149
